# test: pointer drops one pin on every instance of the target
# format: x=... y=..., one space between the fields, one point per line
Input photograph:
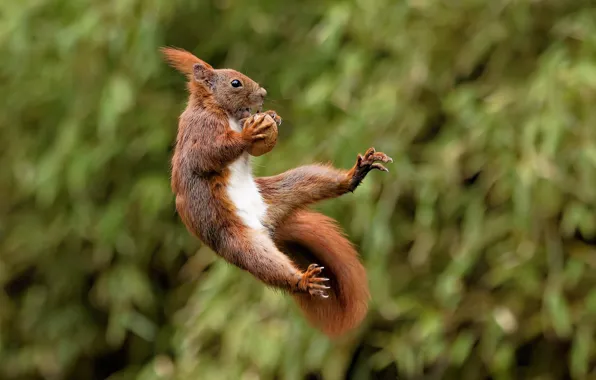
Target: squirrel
x=262 y=225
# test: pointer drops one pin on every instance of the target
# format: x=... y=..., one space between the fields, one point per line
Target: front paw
x=365 y=164
x=260 y=131
x=274 y=116
x=258 y=127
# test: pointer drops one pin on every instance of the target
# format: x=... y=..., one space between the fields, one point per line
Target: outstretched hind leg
x=255 y=252
x=308 y=184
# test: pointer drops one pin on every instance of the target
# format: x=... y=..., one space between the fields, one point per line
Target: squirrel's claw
x=379 y=167
x=319 y=293
x=371 y=156
x=274 y=116
x=310 y=283
x=365 y=164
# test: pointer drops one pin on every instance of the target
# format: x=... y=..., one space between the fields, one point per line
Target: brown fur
x=205 y=147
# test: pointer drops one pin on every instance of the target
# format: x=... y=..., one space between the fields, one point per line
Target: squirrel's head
x=234 y=91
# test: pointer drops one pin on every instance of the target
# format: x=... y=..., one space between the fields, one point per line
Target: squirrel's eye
x=236 y=83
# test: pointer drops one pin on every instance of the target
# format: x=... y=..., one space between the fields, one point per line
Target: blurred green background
x=480 y=243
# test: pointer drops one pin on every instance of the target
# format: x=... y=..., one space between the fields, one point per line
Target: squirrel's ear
x=203 y=73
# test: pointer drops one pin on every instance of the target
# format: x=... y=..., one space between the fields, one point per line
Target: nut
x=267 y=144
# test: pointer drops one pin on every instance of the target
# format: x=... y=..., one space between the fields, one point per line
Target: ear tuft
x=202 y=73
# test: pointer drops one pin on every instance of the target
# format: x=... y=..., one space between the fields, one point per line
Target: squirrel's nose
x=262 y=92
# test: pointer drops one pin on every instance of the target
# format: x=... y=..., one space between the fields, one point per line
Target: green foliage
x=479 y=243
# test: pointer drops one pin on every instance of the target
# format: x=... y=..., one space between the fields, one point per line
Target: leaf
x=581 y=350
x=461 y=347
x=118 y=97
x=558 y=311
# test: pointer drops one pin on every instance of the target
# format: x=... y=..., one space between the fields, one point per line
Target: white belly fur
x=243 y=190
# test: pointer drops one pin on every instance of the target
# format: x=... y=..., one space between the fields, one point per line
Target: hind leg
x=308 y=184
x=255 y=252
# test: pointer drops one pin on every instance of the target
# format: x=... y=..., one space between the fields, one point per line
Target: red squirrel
x=262 y=225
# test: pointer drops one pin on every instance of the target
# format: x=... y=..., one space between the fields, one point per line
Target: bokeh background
x=480 y=243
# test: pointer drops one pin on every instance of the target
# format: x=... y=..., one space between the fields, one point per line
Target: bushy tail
x=309 y=237
x=182 y=60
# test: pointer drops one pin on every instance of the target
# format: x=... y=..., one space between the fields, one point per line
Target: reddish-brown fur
x=205 y=147
x=319 y=236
